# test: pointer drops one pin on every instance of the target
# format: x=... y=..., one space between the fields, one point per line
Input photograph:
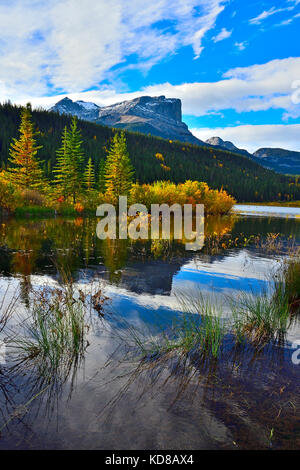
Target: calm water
x=108 y=401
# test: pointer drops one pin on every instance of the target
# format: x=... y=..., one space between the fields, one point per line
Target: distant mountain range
x=162 y=117
x=279 y=160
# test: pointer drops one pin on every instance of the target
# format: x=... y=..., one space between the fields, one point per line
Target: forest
x=153 y=158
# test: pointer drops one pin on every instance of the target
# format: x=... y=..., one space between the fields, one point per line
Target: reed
x=55 y=331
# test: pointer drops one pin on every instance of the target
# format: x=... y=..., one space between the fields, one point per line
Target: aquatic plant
x=198 y=329
x=289 y=281
x=202 y=327
x=260 y=318
x=55 y=331
x=7 y=307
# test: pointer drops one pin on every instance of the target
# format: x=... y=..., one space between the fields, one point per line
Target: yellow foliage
x=190 y=192
x=165 y=167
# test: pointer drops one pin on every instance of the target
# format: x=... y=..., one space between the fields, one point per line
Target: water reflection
x=109 y=399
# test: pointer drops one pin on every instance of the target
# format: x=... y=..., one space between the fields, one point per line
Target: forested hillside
x=241 y=177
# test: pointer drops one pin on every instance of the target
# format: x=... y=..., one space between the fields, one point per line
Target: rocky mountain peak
x=147 y=106
x=156 y=115
x=217 y=141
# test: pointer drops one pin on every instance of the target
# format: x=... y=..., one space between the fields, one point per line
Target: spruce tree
x=60 y=171
x=89 y=176
x=101 y=176
x=69 y=168
x=26 y=172
x=118 y=169
x=75 y=160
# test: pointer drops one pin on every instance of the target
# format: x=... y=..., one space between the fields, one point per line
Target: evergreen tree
x=89 y=176
x=118 y=169
x=26 y=171
x=61 y=170
x=101 y=176
x=69 y=168
x=75 y=160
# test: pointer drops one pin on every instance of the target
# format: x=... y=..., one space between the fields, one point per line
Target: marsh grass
x=289 y=282
x=7 y=308
x=267 y=316
x=54 y=334
x=260 y=318
x=198 y=328
x=201 y=327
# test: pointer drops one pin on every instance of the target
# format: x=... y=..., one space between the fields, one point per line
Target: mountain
x=280 y=160
x=81 y=109
x=159 y=116
x=226 y=144
x=276 y=159
x=240 y=176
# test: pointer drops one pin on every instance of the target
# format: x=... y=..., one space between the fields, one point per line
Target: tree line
x=238 y=175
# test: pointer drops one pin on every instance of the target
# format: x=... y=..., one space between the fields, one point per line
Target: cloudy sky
x=234 y=64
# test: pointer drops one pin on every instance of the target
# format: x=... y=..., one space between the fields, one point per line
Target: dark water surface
x=248 y=398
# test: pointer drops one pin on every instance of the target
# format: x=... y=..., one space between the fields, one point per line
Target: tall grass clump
x=261 y=318
x=267 y=316
x=202 y=327
x=197 y=329
x=55 y=332
x=8 y=305
x=289 y=281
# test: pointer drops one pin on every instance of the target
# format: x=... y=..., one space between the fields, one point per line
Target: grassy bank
x=33 y=203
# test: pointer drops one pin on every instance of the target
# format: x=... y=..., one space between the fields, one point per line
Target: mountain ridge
x=162 y=117
x=157 y=115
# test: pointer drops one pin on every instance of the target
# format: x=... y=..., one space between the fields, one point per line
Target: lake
x=111 y=399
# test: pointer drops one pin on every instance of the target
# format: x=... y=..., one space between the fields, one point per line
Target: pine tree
x=60 y=171
x=89 y=175
x=118 y=169
x=69 y=168
x=26 y=172
x=101 y=176
x=75 y=160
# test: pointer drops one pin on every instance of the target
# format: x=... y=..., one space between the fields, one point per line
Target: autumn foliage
x=190 y=192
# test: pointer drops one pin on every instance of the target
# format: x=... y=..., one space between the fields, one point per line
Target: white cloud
x=266 y=13
x=223 y=34
x=71 y=45
x=253 y=137
x=289 y=20
x=241 y=45
x=254 y=88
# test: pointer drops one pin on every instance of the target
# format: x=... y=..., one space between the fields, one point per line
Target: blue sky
x=234 y=64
